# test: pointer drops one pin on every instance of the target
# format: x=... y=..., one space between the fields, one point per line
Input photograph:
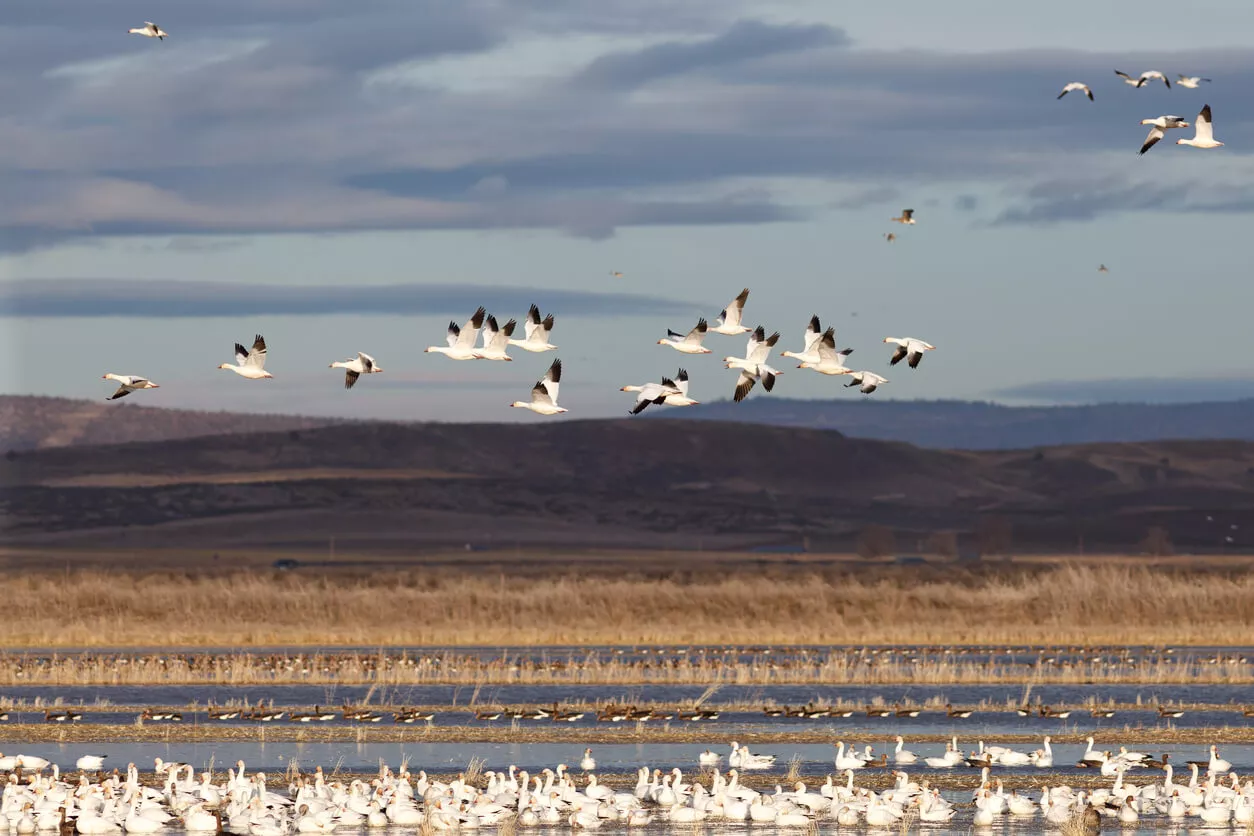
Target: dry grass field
x=1067 y=603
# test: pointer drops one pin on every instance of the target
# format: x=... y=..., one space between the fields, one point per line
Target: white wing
x=470 y=331
x=813 y=332
x=762 y=350
x=367 y=361
x=552 y=380
x=1204 y=128
x=533 y=321
x=735 y=309
x=257 y=357
x=697 y=334
x=681 y=381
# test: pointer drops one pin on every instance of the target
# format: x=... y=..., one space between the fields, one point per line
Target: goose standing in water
x=496 y=340
x=1076 y=85
x=868 y=383
x=356 y=367
x=753 y=367
x=544 y=393
x=1203 y=132
x=250 y=364
x=728 y=321
x=536 y=331
x=461 y=340
x=128 y=383
x=150 y=30
x=689 y=343
x=908 y=347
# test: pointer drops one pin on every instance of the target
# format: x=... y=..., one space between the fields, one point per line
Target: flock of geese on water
x=35 y=802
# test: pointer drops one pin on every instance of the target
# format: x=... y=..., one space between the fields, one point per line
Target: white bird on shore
x=908 y=346
x=150 y=30
x=250 y=364
x=1203 y=132
x=868 y=381
x=496 y=340
x=1190 y=81
x=90 y=763
x=728 y=321
x=647 y=393
x=536 y=331
x=587 y=763
x=1076 y=85
x=128 y=383
x=544 y=393
x=753 y=365
x=1160 y=125
x=689 y=343
x=461 y=340
x=907 y=217
x=356 y=367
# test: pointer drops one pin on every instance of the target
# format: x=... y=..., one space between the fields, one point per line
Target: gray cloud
x=151 y=298
x=1070 y=199
x=1132 y=390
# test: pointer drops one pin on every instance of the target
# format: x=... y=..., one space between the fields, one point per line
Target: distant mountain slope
x=970 y=425
x=33 y=422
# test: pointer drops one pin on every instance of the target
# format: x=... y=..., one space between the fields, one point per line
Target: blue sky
x=322 y=154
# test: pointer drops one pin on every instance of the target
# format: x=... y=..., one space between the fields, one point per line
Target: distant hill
x=969 y=425
x=34 y=422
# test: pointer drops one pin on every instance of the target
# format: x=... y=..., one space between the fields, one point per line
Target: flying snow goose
x=1102 y=268
x=537 y=332
x=689 y=343
x=1150 y=75
x=1076 y=85
x=461 y=341
x=867 y=380
x=1160 y=125
x=356 y=367
x=544 y=393
x=681 y=398
x=250 y=364
x=908 y=346
x=616 y=274
x=150 y=30
x=1203 y=132
x=753 y=366
x=728 y=321
x=809 y=354
x=907 y=217
x=128 y=383
x=890 y=237
x=496 y=340
x=829 y=360
x=651 y=393
x=1190 y=81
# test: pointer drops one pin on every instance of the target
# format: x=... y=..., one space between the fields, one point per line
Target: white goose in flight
x=907 y=217
x=908 y=347
x=1203 y=132
x=1160 y=125
x=1190 y=81
x=544 y=393
x=829 y=360
x=128 y=383
x=150 y=30
x=680 y=398
x=536 y=331
x=655 y=393
x=356 y=367
x=461 y=341
x=1076 y=85
x=689 y=343
x=867 y=380
x=753 y=366
x=250 y=364
x=728 y=321
x=1140 y=80
x=496 y=340
x=808 y=354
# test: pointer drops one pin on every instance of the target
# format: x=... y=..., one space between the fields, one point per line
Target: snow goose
x=536 y=331
x=496 y=340
x=908 y=347
x=150 y=30
x=544 y=393
x=902 y=755
x=829 y=360
x=587 y=763
x=1159 y=126
x=1190 y=81
x=753 y=367
x=808 y=354
x=655 y=393
x=461 y=341
x=356 y=367
x=1076 y=85
x=1102 y=268
x=1140 y=80
x=728 y=321
x=1150 y=75
x=128 y=383
x=890 y=237
x=90 y=763
x=907 y=217
x=680 y=398
x=689 y=343
x=869 y=382
x=250 y=364
x=1203 y=132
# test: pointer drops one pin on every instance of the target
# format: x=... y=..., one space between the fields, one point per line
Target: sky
x=346 y=177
